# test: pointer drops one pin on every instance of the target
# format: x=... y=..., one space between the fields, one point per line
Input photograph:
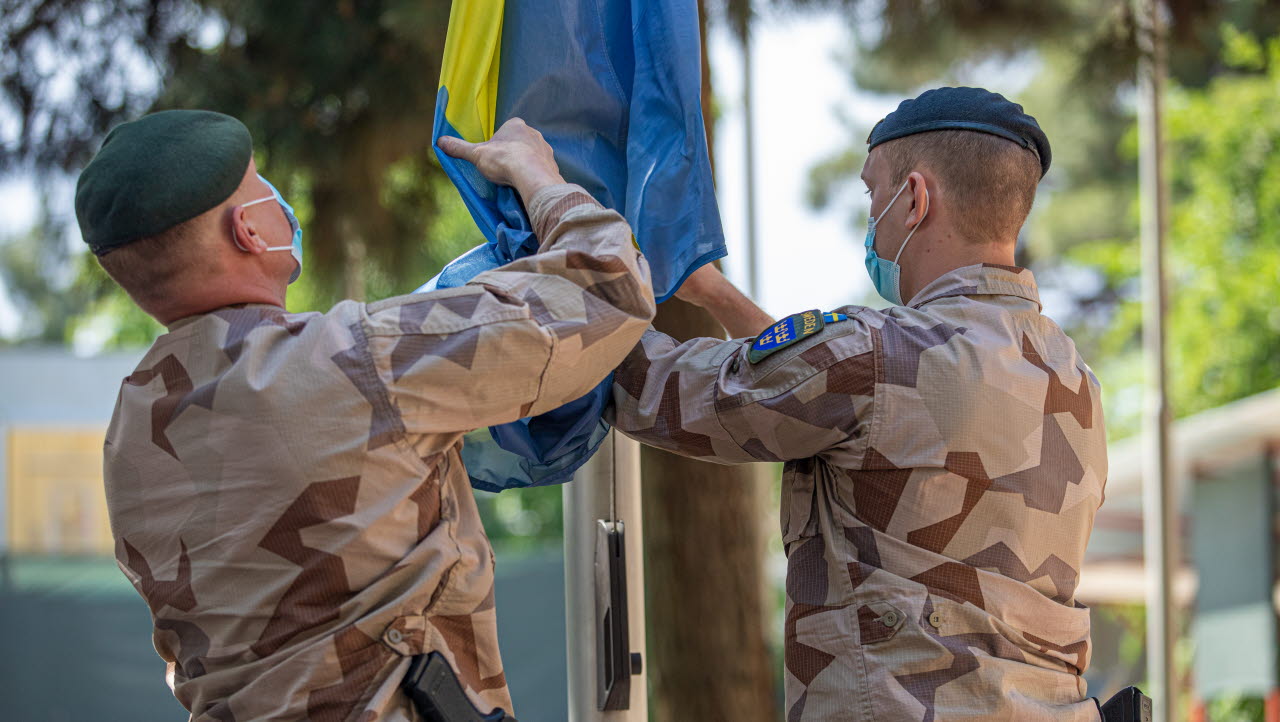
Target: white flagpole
x=606 y=488
x=1159 y=501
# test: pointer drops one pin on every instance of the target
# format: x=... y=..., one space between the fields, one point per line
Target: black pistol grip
x=1128 y=705
x=438 y=695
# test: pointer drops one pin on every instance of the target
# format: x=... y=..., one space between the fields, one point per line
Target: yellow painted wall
x=56 y=500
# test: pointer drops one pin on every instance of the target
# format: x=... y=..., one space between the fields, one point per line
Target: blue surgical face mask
x=886 y=276
x=296 y=246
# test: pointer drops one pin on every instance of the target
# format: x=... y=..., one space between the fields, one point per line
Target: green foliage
x=1132 y=619
x=339 y=96
x=1236 y=708
x=71 y=69
x=430 y=238
x=904 y=44
x=524 y=519
x=1082 y=239
x=1241 y=50
x=837 y=175
x=111 y=320
x=1224 y=244
x=38 y=273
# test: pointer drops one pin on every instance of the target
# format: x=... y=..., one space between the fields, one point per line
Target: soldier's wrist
x=528 y=182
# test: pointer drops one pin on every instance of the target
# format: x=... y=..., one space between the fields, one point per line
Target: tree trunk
x=704 y=576
x=704 y=566
x=354 y=251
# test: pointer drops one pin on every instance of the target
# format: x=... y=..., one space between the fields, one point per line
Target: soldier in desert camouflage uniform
x=944 y=456
x=285 y=490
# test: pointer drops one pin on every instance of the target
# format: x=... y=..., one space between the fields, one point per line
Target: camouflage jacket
x=286 y=492
x=944 y=462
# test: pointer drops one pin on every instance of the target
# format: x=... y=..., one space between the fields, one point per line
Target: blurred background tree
x=40 y=279
x=340 y=95
x=1077 y=62
x=1224 y=241
x=1073 y=63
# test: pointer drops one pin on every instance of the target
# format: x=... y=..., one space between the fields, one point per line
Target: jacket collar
x=984 y=279
x=188 y=320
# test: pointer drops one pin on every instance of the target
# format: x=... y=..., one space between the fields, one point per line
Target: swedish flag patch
x=786 y=332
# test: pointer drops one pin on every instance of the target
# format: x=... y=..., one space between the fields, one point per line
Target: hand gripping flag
x=615 y=88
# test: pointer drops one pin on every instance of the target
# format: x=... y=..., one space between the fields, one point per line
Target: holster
x=436 y=693
x=1127 y=705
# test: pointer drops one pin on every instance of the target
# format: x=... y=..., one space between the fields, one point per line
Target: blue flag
x=615 y=88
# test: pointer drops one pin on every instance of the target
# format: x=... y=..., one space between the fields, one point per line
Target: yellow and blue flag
x=615 y=88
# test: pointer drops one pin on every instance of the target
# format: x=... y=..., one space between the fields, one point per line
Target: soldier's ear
x=918 y=186
x=244 y=234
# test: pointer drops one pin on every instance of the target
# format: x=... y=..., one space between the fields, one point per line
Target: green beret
x=158 y=171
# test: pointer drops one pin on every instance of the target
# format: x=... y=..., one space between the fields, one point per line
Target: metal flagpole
x=748 y=128
x=604 y=587
x=760 y=474
x=1159 y=503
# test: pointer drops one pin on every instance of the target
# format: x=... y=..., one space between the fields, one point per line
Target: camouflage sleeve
x=706 y=399
x=524 y=338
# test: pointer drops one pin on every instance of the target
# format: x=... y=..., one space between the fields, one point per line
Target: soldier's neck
x=939 y=254
x=215 y=296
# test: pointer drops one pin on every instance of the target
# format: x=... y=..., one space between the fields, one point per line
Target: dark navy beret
x=158 y=171
x=964 y=109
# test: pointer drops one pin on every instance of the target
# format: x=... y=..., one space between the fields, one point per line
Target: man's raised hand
x=515 y=156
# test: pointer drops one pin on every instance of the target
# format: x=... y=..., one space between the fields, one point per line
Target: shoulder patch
x=788 y=331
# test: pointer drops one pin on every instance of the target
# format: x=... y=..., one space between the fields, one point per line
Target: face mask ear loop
x=916 y=227
x=268 y=248
x=894 y=199
x=873 y=220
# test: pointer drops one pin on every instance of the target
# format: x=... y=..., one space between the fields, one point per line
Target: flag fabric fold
x=615 y=88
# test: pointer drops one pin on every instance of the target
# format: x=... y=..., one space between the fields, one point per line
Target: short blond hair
x=988 y=181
